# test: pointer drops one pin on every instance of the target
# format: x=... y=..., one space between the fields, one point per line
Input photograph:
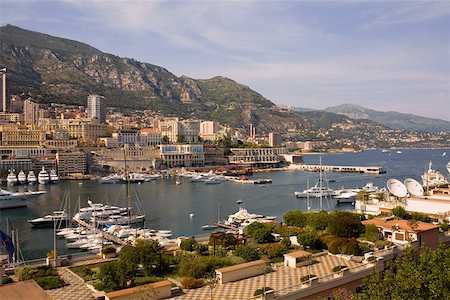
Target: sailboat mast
x=320 y=181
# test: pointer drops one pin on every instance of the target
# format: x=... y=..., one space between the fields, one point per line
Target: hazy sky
x=384 y=55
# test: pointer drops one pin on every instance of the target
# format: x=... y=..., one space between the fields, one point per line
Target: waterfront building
x=16 y=164
x=135 y=158
x=214 y=155
x=96 y=108
x=182 y=155
x=71 y=163
x=257 y=156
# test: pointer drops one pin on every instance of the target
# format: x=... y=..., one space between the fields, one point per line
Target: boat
x=31 y=177
x=215 y=180
x=97 y=209
x=53 y=176
x=111 y=179
x=11 y=200
x=12 y=178
x=316 y=191
x=399 y=152
x=385 y=150
x=178 y=182
x=22 y=178
x=239 y=201
x=59 y=216
x=43 y=177
x=135 y=178
x=346 y=196
x=209 y=227
x=432 y=177
x=448 y=167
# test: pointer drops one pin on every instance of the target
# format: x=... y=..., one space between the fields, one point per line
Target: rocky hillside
x=54 y=69
x=391 y=119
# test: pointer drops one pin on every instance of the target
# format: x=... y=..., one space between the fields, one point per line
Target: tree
x=310 y=239
x=189 y=244
x=115 y=275
x=371 y=233
x=345 y=224
x=286 y=242
x=149 y=253
x=400 y=212
x=295 y=218
x=247 y=252
x=416 y=275
x=318 y=220
x=263 y=235
x=165 y=139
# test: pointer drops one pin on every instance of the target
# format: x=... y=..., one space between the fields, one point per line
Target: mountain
x=391 y=119
x=52 y=69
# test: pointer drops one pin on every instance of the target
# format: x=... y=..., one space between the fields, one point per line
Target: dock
x=105 y=235
x=348 y=169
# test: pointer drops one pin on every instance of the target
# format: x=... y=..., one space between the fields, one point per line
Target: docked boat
x=111 y=179
x=10 y=200
x=316 y=191
x=12 y=178
x=135 y=178
x=43 y=177
x=21 y=177
x=215 y=180
x=58 y=217
x=210 y=227
x=98 y=210
x=346 y=196
x=432 y=177
x=53 y=176
x=31 y=177
x=448 y=167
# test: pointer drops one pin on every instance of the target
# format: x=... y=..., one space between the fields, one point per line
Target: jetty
x=105 y=235
x=349 y=169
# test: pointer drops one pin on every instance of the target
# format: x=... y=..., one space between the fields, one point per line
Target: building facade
x=71 y=163
x=182 y=155
x=96 y=108
x=257 y=156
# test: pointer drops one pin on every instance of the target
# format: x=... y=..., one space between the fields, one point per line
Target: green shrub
x=310 y=239
x=344 y=246
x=318 y=220
x=295 y=218
x=247 y=252
x=263 y=235
x=189 y=244
x=191 y=282
x=49 y=282
x=400 y=212
x=286 y=242
x=420 y=217
x=338 y=268
x=382 y=243
x=288 y=231
x=108 y=249
x=145 y=280
x=26 y=273
x=345 y=224
x=272 y=250
x=371 y=233
x=6 y=280
x=262 y=290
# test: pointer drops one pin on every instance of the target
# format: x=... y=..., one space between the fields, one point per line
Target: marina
x=168 y=205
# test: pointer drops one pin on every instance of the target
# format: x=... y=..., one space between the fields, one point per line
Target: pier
x=348 y=169
x=105 y=235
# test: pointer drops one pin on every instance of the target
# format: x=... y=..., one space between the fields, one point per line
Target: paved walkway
x=281 y=278
x=76 y=290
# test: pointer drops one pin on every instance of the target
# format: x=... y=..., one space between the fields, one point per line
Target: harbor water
x=170 y=206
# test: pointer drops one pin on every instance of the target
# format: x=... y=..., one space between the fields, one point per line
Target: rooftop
x=241 y=266
x=298 y=254
x=401 y=224
x=28 y=289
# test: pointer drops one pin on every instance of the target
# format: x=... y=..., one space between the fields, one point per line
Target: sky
x=383 y=55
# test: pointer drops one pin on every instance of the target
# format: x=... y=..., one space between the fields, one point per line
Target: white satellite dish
x=413 y=187
x=396 y=188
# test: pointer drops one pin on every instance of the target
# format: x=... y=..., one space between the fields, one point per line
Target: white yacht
x=43 y=177
x=135 y=178
x=432 y=177
x=22 y=177
x=53 y=176
x=11 y=200
x=346 y=196
x=31 y=177
x=98 y=210
x=316 y=192
x=448 y=167
x=60 y=217
x=111 y=179
x=12 y=178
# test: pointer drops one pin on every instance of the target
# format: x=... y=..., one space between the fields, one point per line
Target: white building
x=180 y=131
x=209 y=130
x=96 y=108
x=257 y=156
x=182 y=155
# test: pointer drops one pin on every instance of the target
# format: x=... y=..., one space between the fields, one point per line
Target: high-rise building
x=96 y=108
x=274 y=139
x=251 y=131
x=32 y=112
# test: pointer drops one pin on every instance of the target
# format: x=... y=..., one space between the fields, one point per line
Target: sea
x=185 y=208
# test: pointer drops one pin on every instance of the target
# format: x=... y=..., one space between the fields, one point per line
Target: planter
x=109 y=255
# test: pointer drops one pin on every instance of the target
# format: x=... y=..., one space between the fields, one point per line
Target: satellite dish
x=396 y=188
x=413 y=187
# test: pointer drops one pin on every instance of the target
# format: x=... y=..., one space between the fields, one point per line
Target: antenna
x=413 y=187
x=396 y=188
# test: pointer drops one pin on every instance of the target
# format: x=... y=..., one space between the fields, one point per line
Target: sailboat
x=318 y=190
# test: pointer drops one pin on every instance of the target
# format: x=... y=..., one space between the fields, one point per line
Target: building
x=274 y=139
x=70 y=163
x=251 y=131
x=182 y=155
x=214 y=155
x=177 y=131
x=257 y=156
x=403 y=232
x=10 y=117
x=32 y=112
x=150 y=137
x=127 y=137
x=209 y=130
x=22 y=138
x=96 y=108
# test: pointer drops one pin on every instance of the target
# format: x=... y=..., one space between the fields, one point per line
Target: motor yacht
x=316 y=192
x=432 y=177
x=22 y=178
x=43 y=177
x=58 y=217
x=31 y=177
x=53 y=176
x=111 y=179
x=20 y=199
x=12 y=178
